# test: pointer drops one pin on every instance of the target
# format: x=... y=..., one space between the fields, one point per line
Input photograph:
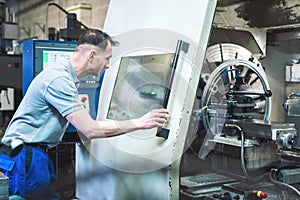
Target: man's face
x=91 y=59
x=102 y=59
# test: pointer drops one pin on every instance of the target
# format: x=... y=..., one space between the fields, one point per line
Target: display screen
x=37 y=54
x=140 y=85
x=50 y=52
x=50 y=57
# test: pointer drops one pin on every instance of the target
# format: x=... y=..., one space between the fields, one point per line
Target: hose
x=281 y=183
x=242 y=157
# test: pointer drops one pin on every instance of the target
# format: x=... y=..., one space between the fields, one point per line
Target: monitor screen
x=37 y=54
x=140 y=85
x=50 y=57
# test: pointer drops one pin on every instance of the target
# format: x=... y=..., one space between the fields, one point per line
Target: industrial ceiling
x=258 y=13
x=270 y=22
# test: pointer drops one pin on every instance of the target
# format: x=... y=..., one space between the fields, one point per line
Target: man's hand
x=154 y=118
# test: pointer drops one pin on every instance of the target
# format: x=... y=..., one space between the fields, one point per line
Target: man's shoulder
x=56 y=68
x=53 y=72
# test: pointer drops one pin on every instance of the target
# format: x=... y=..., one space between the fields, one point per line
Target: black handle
x=181 y=46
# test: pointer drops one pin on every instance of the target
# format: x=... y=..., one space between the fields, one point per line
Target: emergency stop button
x=83 y=99
x=261 y=194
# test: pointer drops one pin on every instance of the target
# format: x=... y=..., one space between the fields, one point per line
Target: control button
x=83 y=99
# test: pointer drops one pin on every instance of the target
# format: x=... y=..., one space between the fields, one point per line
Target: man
x=50 y=103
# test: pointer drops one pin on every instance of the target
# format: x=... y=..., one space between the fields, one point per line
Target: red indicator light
x=9 y=65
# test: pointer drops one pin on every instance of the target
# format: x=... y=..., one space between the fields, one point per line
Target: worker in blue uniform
x=49 y=105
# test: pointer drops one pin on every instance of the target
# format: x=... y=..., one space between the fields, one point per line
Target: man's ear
x=92 y=55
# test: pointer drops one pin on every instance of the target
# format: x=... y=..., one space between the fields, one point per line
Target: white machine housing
x=140 y=165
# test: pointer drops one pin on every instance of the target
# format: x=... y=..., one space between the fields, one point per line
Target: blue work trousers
x=31 y=174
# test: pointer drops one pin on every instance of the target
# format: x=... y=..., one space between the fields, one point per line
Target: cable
x=59 y=7
x=271 y=171
x=64 y=11
x=243 y=154
x=281 y=183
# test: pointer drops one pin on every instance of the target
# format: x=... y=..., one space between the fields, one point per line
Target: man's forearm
x=98 y=129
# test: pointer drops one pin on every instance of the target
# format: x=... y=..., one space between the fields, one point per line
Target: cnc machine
x=246 y=144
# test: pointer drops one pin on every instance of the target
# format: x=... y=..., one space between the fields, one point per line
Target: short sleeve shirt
x=40 y=117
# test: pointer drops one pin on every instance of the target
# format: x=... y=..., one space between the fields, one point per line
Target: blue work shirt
x=40 y=117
